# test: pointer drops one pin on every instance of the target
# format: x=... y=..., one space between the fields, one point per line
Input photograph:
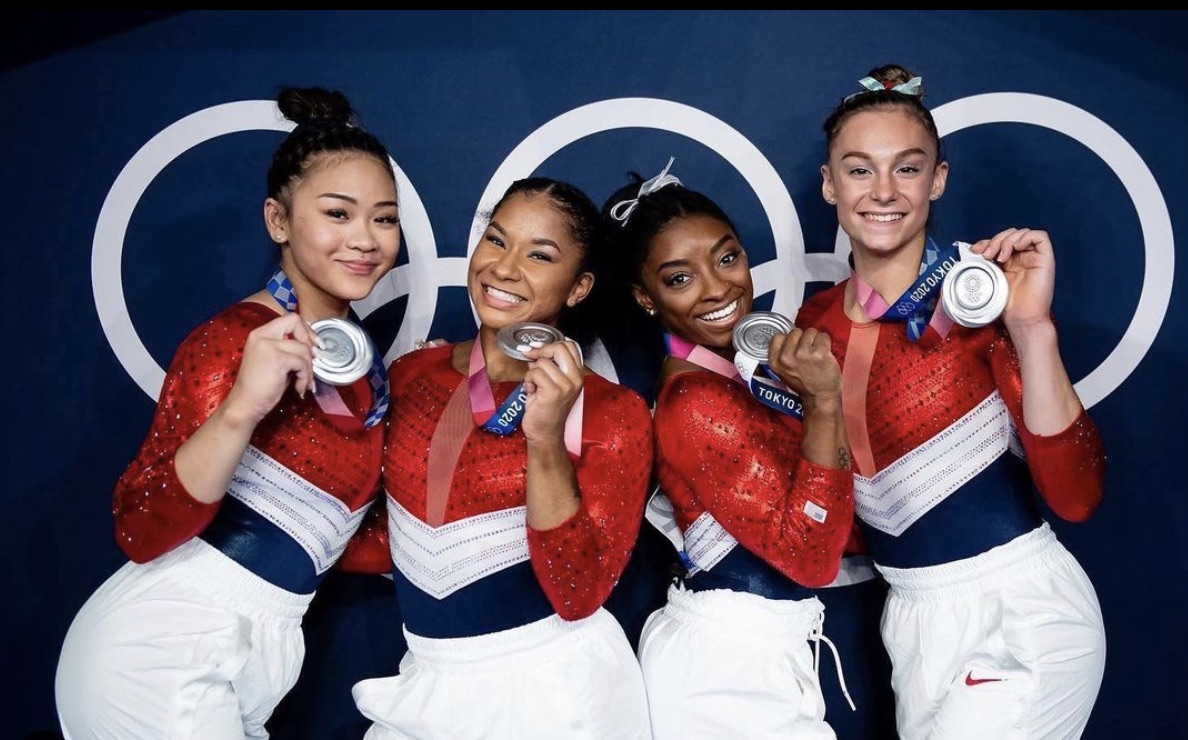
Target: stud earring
x=831 y=201
x=650 y=311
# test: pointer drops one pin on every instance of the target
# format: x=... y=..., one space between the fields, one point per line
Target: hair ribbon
x=622 y=210
x=911 y=87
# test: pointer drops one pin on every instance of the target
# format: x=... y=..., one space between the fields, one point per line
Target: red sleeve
x=1068 y=467
x=579 y=562
x=368 y=550
x=153 y=511
x=721 y=451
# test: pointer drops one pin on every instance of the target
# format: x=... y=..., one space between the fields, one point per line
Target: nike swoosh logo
x=971 y=681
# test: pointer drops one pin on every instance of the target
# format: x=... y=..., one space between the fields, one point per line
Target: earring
x=831 y=201
x=934 y=196
x=650 y=311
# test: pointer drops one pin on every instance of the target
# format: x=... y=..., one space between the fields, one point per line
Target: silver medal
x=515 y=335
x=974 y=292
x=753 y=333
x=346 y=353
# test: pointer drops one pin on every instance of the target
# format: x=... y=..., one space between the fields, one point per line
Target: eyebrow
x=718 y=245
x=540 y=240
x=349 y=199
x=898 y=155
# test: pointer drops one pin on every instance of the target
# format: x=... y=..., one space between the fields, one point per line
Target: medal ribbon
x=917 y=305
x=280 y=288
x=506 y=419
x=770 y=392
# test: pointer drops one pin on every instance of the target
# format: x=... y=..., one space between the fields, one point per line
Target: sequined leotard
x=939 y=415
x=333 y=475
x=733 y=471
x=483 y=569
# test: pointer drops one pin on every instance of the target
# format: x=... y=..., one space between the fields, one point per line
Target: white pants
x=549 y=680
x=188 y=646
x=1006 y=645
x=724 y=664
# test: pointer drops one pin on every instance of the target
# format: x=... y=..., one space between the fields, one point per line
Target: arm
x=1064 y=449
x=579 y=560
x=720 y=450
x=172 y=488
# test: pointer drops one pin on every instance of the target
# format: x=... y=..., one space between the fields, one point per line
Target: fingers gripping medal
x=752 y=343
x=974 y=292
x=506 y=419
x=346 y=355
x=513 y=336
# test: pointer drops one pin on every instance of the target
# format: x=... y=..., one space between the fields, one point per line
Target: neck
x=500 y=367
x=314 y=304
x=890 y=274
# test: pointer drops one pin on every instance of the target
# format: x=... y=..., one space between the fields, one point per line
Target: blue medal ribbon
x=281 y=288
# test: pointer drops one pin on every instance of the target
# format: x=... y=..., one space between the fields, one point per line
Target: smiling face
x=883 y=174
x=697 y=279
x=339 y=231
x=527 y=264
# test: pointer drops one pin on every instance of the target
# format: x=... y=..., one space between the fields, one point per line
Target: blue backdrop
x=134 y=177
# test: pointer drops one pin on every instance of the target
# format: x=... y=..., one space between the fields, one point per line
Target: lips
x=502 y=296
x=360 y=268
x=720 y=314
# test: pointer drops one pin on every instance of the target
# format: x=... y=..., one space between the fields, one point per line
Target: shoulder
x=418 y=361
x=229 y=327
x=816 y=309
x=695 y=390
x=614 y=396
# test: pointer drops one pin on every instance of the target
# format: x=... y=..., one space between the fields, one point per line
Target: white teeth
x=503 y=295
x=884 y=217
x=721 y=313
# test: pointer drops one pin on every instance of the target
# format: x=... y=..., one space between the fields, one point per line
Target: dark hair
x=625 y=244
x=581 y=214
x=628 y=240
x=326 y=123
x=889 y=75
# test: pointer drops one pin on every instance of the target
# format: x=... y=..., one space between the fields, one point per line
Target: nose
x=362 y=237
x=506 y=266
x=884 y=187
x=714 y=286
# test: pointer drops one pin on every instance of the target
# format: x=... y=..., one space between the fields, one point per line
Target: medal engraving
x=753 y=333
x=515 y=335
x=974 y=292
x=346 y=352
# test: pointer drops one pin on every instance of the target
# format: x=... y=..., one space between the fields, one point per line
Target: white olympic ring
x=786 y=274
x=151 y=160
x=1140 y=184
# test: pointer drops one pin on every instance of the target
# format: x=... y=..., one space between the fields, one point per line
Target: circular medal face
x=753 y=333
x=974 y=292
x=346 y=354
x=514 y=335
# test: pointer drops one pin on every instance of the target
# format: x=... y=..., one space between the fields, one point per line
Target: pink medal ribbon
x=506 y=419
x=685 y=350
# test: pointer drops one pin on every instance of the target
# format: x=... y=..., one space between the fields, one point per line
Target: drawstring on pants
x=817 y=635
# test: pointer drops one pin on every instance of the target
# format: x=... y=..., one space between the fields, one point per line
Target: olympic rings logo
x=785 y=275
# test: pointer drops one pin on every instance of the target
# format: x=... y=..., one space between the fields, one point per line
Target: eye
x=858 y=171
x=338 y=213
x=729 y=258
x=676 y=280
x=390 y=220
x=540 y=256
x=910 y=169
x=495 y=240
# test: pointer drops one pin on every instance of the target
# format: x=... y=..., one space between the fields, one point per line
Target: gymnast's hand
x=275 y=354
x=1027 y=259
x=553 y=382
x=803 y=359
